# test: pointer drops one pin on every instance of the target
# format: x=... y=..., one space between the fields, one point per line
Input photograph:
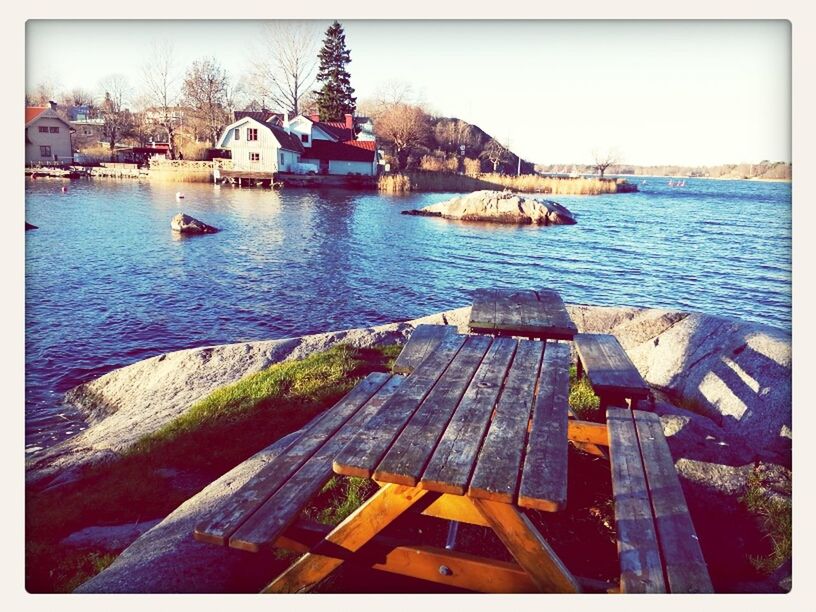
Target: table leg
x=527 y=545
x=348 y=537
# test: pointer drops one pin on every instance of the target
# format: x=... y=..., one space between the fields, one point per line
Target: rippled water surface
x=108 y=283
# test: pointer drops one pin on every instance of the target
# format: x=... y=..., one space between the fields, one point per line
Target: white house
x=47 y=136
x=260 y=146
x=267 y=146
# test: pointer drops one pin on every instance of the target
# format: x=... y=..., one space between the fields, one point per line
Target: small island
x=499 y=207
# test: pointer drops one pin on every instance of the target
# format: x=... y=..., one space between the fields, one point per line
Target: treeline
x=763 y=170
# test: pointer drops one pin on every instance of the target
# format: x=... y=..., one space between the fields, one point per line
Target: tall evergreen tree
x=335 y=99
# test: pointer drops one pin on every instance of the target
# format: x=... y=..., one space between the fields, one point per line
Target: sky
x=658 y=92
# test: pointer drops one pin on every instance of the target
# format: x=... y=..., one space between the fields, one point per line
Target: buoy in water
x=64 y=190
x=179 y=195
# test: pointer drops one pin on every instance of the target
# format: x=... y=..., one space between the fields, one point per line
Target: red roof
x=353 y=150
x=336 y=129
x=33 y=111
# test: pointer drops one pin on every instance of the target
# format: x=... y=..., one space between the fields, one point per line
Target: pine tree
x=335 y=99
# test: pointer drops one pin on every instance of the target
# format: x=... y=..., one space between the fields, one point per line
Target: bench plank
x=497 y=468
x=452 y=463
x=220 y=525
x=365 y=450
x=548 y=311
x=641 y=568
x=262 y=529
x=424 y=339
x=686 y=569
x=608 y=366
x=544 y=475
x=410 y=452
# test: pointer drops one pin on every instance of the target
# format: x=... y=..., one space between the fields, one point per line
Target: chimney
x=315 y=117
x=349 y=121
x=52 y=104
x=286 y=121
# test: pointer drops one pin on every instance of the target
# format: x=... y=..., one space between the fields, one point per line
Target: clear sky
x=661 y=92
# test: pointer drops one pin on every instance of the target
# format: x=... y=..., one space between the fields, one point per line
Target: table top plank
x=525 y=312
x=220 y=525
x=424 y=339
x=452 y=463
x=608 y=367
x=410 y=452
x=496 y=474
x=483 y=311
x=640 y=562
x=365 y=450
x=544 y=475
x=263 y=527
x=686 y=569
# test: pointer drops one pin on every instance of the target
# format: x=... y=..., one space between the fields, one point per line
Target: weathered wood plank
x=411 y=450
x=483 y=311
x=365 y=450
x=349 y=536
x=452 y=463
x=641 y=567
x=497 y=467
x=222 y=523
x=686 y=569
x=424 y=339
x=521 y=312
x=262 y=528
x=608 y=367
x=528 y=547
x=544 y=474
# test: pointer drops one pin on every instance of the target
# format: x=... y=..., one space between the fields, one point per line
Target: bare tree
x=161 y=91
x=286 y=66
x=206 y=90
x=404 y=127
x=495 y=153
x=117 y=119
x=42 y=93
x=78 y=97
x=601 y=160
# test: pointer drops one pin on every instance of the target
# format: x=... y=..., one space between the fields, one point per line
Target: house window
x=282 y=158
x=237 y=135
x=252 y=133
x=254 y=157
x=54 y=130
x=43 y=129
x=45 y=151
x=304 y=138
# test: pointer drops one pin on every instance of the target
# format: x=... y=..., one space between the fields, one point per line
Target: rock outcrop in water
x=499 y=207
x=29 y=226
x=186 y=224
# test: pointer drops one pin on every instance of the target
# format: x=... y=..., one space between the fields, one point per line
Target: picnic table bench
x=658 y=548
x=450 y=440
x=613 y=376
x=530 y=313
x=476 y=433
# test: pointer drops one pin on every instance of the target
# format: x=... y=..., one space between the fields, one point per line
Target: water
x=108 y=283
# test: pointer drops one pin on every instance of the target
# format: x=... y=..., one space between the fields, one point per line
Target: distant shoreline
x=707 y=178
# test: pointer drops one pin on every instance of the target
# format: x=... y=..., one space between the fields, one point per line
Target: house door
x=324 y=166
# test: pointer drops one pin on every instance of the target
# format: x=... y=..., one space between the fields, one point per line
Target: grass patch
x=775 y=519
x=340 y=496
x=217 y=433
x=582 y=398
x=424 y=180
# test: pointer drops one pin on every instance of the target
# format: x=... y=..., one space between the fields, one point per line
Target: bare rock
x=29 y=226
x=186 y=224
x=166 y=559
x=109 y=537
x=499 y=207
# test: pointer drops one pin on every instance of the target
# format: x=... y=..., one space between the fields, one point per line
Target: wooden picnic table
x=530 y=313
x=476 y=433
